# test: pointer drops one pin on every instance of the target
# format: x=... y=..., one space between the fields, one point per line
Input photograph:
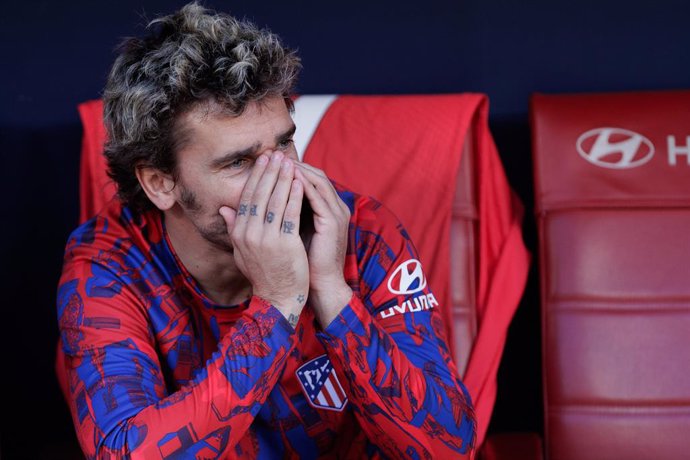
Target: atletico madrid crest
x=321 y=385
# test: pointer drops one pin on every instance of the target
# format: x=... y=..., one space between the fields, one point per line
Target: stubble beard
x=216 y=232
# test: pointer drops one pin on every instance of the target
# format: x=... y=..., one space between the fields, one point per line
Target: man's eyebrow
x=250 y=151
x=232 y=156
x=286 y=135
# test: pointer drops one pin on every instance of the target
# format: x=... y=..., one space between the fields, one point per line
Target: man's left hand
x=328 y=291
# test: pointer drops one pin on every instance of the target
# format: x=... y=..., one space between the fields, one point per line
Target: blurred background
x=54 y=55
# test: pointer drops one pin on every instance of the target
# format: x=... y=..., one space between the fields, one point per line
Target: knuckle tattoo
x=288 y=226
x=252 y=210
x=269 y=217
x=243 y=210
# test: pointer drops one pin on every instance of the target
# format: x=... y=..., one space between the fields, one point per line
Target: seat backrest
x=612 y=181
x=431 y=160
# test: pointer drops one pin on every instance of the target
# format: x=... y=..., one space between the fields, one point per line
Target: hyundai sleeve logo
x=614 y=148
x=408 y=278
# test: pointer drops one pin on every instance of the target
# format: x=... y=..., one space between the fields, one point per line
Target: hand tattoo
x=288 y=226
x=292 y=319
x=243 y=210
x=300 y=298
x=252 y=210
x=269 y=217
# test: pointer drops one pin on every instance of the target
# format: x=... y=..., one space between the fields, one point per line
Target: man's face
x=215 y=161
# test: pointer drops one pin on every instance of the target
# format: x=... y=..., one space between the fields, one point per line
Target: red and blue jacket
x=155 y=369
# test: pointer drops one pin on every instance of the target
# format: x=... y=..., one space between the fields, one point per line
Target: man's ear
x=158 y=186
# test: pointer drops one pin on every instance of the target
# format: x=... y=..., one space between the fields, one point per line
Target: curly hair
x=191 y=57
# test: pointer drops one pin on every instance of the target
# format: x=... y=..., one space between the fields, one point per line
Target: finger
x=311 y=168
x=281 y=193
x=248 y=192
x=290 y=224
x=322 y=183
x=263 y=191
x=318 y=203
x=229 y=216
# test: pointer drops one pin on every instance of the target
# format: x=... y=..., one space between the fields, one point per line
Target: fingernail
x=262 y=160
x=277 y=156
x=286 y=164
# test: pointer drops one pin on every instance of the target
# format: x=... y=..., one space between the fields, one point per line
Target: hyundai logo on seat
x=615 y=148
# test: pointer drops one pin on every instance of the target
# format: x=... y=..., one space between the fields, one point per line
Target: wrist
x=328 y=302
x=289 y=307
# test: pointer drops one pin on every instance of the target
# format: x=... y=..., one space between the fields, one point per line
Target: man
x=233 y=302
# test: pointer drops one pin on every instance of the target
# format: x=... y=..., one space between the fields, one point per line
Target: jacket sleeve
x=116 y=389
x=389 y=345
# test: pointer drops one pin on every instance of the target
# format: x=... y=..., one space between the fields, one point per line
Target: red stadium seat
x=431 y=159
x=613 y=207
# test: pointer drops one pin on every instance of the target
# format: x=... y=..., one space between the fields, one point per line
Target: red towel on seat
x=503 y=267
x=95 y=187
x=405 y=151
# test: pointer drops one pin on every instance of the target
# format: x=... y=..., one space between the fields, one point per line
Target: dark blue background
x=54 y=55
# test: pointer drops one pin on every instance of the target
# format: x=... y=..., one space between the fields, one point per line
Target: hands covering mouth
x=266 y=238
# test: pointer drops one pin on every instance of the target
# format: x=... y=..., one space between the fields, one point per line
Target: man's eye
x=238 y=163
x=284 y=145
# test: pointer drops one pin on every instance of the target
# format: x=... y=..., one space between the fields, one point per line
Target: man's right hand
x=265 y=235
